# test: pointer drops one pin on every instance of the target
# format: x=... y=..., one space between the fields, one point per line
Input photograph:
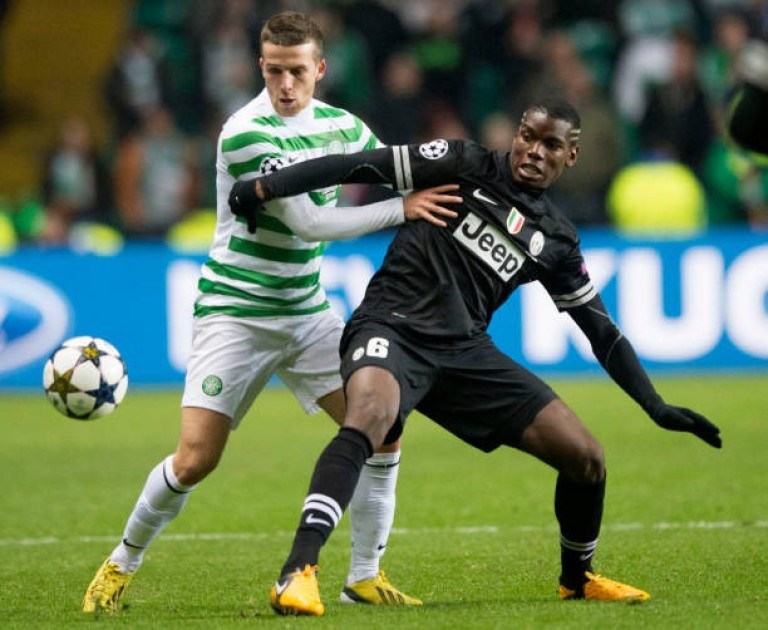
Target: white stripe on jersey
x=403 y=174
x=576 y=298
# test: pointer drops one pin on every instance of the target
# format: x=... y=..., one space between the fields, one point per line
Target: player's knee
x=372 y=419
x=373 y=415
x=192 y=468
x=589 y=465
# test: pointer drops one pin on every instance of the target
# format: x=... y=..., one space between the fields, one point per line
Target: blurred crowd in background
x=650 y=78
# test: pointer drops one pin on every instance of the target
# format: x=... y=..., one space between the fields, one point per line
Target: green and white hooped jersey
x=272 y=273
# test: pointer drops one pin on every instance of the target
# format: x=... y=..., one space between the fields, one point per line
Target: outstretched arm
x=367 y=167
x=618 y=358
x=316 y=223
x=391 y=165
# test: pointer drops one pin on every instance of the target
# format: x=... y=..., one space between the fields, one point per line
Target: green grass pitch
x=475 y=535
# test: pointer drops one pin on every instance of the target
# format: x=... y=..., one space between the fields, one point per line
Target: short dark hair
x=291 y=28
x=559 y=109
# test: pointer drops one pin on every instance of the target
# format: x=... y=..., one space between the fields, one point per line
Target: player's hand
x=426 y=204
x=245 y=202
x=682 y=419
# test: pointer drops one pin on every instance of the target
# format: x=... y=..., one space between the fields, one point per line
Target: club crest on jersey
x=537 y=243
x=335 y=147
x=490 y=245
x=434 y=150
x=515 y=221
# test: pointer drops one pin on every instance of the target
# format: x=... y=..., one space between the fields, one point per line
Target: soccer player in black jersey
x=418 y=340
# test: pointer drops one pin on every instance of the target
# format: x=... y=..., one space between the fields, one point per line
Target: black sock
x=330 y=491
x=579 y=511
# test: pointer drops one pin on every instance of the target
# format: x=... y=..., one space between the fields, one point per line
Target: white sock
x=371 y=513
x=160 y=501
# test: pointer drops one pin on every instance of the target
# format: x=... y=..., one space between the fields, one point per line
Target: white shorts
x=233 y=358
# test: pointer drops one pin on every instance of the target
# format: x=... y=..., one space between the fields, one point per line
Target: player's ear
x=573 y=155
x=321 y=68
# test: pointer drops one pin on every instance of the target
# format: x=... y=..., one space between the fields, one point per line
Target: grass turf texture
x=475 y=535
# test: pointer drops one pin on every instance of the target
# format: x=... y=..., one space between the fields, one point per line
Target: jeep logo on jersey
x=490 y=245
x=34 y=317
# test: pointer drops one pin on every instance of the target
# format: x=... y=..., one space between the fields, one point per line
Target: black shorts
x=474 y=390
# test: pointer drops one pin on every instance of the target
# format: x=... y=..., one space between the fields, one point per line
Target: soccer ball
x=85 y=378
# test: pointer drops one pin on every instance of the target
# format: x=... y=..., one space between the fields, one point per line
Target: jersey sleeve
x=405 y=167
x=568 y=283
x=314 y=223
x=435 y=162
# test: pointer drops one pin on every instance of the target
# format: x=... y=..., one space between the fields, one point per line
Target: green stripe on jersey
x=268 y=121
x=294 y=144
x=272 y=224
x=329 y=112
x=276 y=254
x=269 y=223
x=248 y=311
x=263 y=279
x=220 y=288
x=240 y=140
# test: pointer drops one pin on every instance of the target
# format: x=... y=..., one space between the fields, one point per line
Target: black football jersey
x=442 y=285
x=445 y=283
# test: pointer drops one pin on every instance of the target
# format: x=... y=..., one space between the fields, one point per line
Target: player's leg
x=202 y=440
x=203 y=437
x=372 y=509
x=224 y=374
x=557 y=437
x=487 y=399
x=314 y=377
x=370 y=395
x=374 y=407
x=371 y=515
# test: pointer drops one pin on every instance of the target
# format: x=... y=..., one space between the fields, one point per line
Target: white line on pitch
x=400 y=531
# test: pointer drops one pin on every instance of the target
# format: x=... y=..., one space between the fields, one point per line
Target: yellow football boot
x=601 y=588
x=297 y=593
x=377 y=590
x=107 y=589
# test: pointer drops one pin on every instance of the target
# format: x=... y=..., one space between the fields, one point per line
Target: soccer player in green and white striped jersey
x=262 y=311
